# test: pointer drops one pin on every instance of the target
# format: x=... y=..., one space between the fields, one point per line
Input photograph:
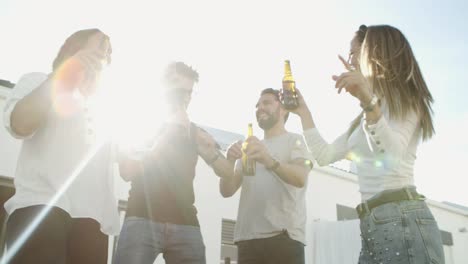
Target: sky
x=239 y=47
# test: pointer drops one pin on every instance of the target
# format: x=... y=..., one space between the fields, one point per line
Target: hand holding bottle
x=248 y=164
x=302 y=108
x=257 y=151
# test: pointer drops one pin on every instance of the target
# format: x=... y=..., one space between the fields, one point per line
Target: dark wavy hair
x=276 y=94
x=182 y=69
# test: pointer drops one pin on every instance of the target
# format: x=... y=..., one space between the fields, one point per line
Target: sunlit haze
x=238 y=48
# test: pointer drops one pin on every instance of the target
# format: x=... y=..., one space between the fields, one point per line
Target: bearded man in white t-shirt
x=271 y=219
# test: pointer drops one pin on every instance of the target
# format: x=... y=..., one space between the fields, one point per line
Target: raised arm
x=27 y=108
x=323 y=152
x=228 y=186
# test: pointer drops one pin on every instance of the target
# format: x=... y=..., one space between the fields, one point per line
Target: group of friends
x=64 y=207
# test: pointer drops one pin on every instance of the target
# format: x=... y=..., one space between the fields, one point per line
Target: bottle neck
x=249 y=130
x=287 y=70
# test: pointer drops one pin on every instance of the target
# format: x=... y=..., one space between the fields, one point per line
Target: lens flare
x=67 y=78
x=13 y=249
x=353 y=157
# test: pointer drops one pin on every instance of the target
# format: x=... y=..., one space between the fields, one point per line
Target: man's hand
x=234 y=151
x=257 y=151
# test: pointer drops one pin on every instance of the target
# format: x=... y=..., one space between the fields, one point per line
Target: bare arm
x=323 y=152
x=208 y=149
x=223 y=167
x=30 y=112
x=130 y=168
x=229 y=186
x=294 y=172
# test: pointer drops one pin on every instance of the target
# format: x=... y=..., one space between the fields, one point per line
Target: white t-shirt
x=383 y=153
x=268 y=205
x=57 y=151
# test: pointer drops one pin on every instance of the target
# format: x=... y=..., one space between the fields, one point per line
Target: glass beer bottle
x=248 y=165
x=288 y=93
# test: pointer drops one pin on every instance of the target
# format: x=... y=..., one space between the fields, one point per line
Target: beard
x=269 y=122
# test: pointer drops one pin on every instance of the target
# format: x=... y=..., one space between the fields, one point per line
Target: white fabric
x=334 y=243
x=51 y=155
x=268 y=205
x=383 y=153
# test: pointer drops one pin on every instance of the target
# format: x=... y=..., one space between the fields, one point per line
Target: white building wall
x=454 y=221
x=327 y=188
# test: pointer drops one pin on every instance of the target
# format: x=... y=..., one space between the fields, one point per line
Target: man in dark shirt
x=161 y=216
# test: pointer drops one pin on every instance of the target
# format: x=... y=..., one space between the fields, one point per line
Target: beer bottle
x=248 y=165
x=288 y=93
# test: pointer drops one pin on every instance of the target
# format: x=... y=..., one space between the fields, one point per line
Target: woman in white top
x=64 y=205
x=383 y=74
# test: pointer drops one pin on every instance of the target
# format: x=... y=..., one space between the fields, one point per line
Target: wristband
x=275 y=165
x=370 y=107
x=210 y=162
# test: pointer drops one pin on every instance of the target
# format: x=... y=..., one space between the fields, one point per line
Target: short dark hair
x=182 y=69
x=276 y=93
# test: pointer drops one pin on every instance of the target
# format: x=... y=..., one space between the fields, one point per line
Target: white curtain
x=334 y=242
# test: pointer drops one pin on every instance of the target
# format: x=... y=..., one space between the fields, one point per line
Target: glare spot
x=29 y=230
x=353 y=157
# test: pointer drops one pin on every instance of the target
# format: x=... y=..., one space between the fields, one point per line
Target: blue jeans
x=142 y=240
x=401 y=232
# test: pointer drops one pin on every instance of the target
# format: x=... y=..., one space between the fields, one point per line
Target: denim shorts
x=401 y=232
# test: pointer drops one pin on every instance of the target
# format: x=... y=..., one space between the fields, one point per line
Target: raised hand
x=353 y=82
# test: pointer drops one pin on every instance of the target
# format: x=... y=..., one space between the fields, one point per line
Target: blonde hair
x=388 y=63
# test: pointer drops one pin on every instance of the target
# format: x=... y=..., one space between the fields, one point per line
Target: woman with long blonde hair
x=383 y=74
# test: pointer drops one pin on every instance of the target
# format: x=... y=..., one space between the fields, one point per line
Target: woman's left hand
x=353 y=82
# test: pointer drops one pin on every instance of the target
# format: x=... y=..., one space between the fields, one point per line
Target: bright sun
x=128 y=119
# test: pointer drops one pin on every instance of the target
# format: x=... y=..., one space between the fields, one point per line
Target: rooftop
x=6 y=83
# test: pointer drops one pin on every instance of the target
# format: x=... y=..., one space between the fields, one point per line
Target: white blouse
x=53 y=154
x=383 y=153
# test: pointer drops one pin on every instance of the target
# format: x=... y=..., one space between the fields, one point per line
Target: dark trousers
x=58 y=239
x=279 y=249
